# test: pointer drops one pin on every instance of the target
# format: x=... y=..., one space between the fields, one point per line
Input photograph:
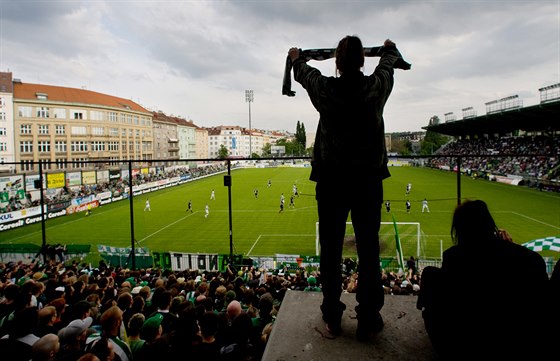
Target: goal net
x=410 y=236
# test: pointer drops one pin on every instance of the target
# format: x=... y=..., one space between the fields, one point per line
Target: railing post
x=458 y=180
x=227 y=183
x=43 y=227
x=131 y=203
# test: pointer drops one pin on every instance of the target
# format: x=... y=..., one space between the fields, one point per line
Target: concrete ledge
x=299 y=332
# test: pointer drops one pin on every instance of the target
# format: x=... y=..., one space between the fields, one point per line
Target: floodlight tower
x=249 y=99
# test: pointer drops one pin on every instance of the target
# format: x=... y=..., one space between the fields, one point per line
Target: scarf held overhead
x=324 y=54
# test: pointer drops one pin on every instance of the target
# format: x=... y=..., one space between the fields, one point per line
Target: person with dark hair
x=465 y=313
x=208 y=348
x=19 y=341
x=350 y=136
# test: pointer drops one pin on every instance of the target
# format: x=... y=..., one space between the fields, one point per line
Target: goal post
x=410 y=235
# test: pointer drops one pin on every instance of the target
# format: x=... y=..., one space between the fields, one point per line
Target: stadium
x=508 y=157
x=192 y=223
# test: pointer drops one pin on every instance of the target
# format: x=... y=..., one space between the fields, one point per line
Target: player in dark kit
x=189 y=207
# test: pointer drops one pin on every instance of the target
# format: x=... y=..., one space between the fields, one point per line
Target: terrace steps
x=299 y=332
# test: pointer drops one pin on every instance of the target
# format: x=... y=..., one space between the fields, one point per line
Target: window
x=44 y=146
x=112 y=117
x=59 y=113
x=137 y=132
x=79 y=146
x=114 y=132
x=43 y=129
x=122 y=118
x=26 y=146
x=96 y=115
x=25 y=129
x=3 y=131
x=42 y=112
x=135 y=118
x=61 y=163
x=24 y=112
x=123 y=145
x=97 y=146
x=78 y=130
x=26 y=165
x=2 y=116
x=80 y=162
x=113 y=146
x=60 y=146
x=77 y=114
x=3 y=146
x=60 y=129
x=97 y=131
x=45 y=163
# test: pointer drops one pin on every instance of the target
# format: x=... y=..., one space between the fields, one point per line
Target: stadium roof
x=539 y=117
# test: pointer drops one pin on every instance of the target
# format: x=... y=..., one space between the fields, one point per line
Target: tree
x=300 y=136
x=432 y=141
x=266 y=150
x=223 y=152
x=402 y=147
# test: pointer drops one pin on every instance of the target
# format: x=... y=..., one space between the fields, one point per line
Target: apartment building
x=65 y=128
x=7 y=148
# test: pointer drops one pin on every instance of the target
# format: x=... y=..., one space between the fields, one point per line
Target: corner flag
x=400 y=258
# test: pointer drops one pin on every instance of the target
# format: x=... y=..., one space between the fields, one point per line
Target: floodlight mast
x=249 y=99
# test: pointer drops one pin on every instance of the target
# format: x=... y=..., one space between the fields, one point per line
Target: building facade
x=7 y=147
x=65 y=128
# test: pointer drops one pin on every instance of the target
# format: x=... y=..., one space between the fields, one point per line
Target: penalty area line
x=276 y=235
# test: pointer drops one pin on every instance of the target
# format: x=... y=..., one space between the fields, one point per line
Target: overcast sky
x=195 y=59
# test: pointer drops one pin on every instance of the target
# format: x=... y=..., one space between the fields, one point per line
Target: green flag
x=398 y=245
x=549 y=243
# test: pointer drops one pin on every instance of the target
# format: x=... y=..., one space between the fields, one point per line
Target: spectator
x=73 y=338
x=19 y=341
x=47 y=318
x=46 y=348
x=111 y=321
x=466 y=315
x=350 y=126
x=208 y=349
x=134 y=328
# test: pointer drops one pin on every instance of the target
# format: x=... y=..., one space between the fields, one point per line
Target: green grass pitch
x=259 y=229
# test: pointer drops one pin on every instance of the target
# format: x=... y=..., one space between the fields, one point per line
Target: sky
x=195 y=59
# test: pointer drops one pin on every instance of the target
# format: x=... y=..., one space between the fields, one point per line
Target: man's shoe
x=333 y=318
x=334 y=329
x=369 y=327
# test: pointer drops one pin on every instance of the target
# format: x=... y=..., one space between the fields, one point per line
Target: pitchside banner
x=89 y=177
x=55 y=180
x=11 y=187
x=73 y=179
x=204 y=262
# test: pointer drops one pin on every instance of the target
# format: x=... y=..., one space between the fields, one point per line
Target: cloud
x=195 y=59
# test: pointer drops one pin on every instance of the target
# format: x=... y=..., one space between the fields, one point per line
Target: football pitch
x=258 y=228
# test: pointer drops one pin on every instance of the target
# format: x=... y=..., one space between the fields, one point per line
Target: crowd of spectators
x=116 y=187
x=72 y=311
x=539 y=167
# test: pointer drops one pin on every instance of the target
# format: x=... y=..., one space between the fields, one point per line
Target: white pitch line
x=536 y=220
x=169 y=225
x=254 y=244
x=276 y=235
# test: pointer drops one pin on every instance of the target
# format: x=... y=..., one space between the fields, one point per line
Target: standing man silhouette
x=350 y=135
